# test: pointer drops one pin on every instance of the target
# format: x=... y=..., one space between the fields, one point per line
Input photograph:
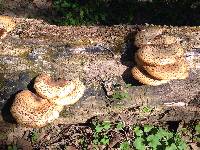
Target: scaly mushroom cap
x=7 y=24
x=30 y=110
x=73 y=97
x=160 y=54
x=49 y=89
x=145 y=36
x=179 y=70
x=143 y=77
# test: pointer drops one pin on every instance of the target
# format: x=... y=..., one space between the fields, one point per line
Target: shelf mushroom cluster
x=37 y=110
x=160 y=57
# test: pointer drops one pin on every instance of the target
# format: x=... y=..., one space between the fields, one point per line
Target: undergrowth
x=110 y=12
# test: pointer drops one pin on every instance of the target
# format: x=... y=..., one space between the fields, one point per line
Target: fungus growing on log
x=178 y=70
x=33 y=111
x=47 y=88
x=159 y=59
x=160 y=54
x=37 y=110
x=143 y=77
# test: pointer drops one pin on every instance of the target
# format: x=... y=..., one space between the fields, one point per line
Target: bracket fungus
x=159 y=59
x=46 y=87
x=160 y=54
x=37 y=110
x=31 y=110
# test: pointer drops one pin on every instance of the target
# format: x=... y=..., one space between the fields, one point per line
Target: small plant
x=146 y=109
x=197 y=132
x=150 y=137
x=119 y=95
x=100 y=133
x=34 y=136
x=120 y=126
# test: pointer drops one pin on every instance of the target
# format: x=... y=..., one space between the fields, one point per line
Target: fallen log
x=102 y=57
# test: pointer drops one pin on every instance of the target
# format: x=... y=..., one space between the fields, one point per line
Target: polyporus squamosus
x=160 y=54
x=159 y=59
x=7 y=24
x=143 y=77
x=178 y=70
x=61 y=92
x=33 y=111
x=37 y=110
x=154 y=35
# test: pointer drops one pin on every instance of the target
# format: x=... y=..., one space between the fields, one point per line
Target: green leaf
x=138 y=131
x=120 y=95
x=124 y=146
x=164 y=133
x=105 y=140
x=153 y=141
x=171 y=147
x=120 y=126
x=182 y=146
x=147 y=128
x=98 y=128
x=139 y=143
x=146 y=109
x=197 y=128
x=106 y=125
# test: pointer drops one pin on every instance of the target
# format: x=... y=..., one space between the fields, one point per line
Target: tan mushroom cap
x=179 y=70
x=71 y=98
x=143 y=77
x=160 y=54
x=145 y=36
x=47 y=88
x=7 y=23
x=30 y=110
x=164 y=39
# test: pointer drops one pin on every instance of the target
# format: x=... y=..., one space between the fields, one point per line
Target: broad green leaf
x=148 y=128
x=197 y=128
x=106 y=125
x=171 y=147
x=105 y=140
x=98 y=128
x=153 y=141
x=139 y=143
x=138 y=131
x=120 y=126
x=124 y=146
